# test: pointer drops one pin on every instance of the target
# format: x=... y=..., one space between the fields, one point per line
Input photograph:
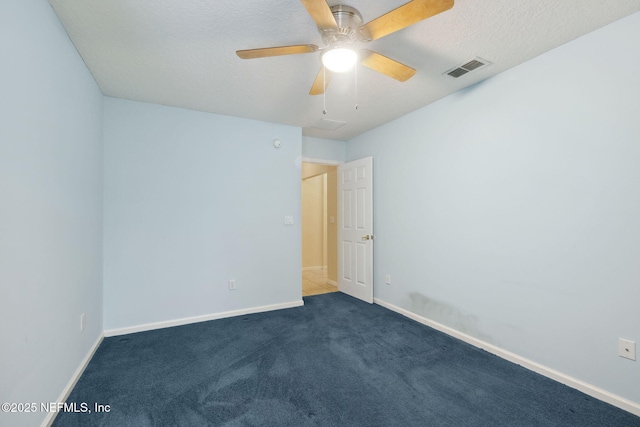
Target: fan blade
x=320 y=13
x=322 y=81
x=404 y=16
x=384 y=65
x=276 y=51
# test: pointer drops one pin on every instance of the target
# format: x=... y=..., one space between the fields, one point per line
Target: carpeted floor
x=334 y=362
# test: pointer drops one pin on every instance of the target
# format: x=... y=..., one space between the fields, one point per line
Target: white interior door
x=355 y=229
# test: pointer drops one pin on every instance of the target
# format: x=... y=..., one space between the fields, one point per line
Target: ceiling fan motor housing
x=347 y=31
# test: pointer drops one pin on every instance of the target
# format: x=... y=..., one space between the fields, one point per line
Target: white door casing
x=355 y=228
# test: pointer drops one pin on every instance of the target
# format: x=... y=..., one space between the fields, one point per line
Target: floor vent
x=463 y=69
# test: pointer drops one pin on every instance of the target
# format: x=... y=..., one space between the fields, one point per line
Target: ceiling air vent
x=327 y=124
x=458 y=72
x=463 y=69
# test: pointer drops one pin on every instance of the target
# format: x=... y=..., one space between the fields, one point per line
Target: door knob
x=367 y=237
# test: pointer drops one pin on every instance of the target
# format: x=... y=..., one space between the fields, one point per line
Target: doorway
x=319 y=228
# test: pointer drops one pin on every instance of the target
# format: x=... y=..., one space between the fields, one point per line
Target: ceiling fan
x=340 y=27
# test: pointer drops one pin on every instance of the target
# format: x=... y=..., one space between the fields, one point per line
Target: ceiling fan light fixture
x=339 y=59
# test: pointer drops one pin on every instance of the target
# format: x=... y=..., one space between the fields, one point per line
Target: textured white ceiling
x=182 y=53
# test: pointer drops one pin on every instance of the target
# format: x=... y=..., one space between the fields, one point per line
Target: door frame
x=321 y=161
x=334 y=163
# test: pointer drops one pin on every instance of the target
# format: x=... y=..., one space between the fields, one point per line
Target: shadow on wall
x=446 y=314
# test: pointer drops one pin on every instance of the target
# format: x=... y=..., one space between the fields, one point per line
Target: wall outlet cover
x=627 y=349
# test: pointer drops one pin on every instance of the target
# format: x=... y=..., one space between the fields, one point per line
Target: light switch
x=332 y=219
x=288 y=220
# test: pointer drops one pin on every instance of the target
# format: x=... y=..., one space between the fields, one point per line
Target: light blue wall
x=50 y=207
x=323 y=149
x=192 y=200
x=511 y=210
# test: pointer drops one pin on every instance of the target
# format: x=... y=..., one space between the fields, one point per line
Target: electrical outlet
x=83 y=322
x=387 y=279
x=232 y=284
x=627 y=349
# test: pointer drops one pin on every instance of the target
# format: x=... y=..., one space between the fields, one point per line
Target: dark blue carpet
x=334 y=362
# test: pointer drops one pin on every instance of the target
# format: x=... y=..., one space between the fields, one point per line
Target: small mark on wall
x=446 y=314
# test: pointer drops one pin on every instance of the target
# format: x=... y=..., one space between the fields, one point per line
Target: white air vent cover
x=327 y=124
x=474 y=64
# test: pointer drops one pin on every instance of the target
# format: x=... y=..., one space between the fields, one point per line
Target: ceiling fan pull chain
x=324 y=90
x=355 y=86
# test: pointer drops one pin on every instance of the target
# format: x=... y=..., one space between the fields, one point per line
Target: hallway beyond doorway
x=314 y=282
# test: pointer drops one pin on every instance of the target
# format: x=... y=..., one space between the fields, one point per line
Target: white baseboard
x=196 y=319
x=315 y=268
x=72 y=382
x=577 y=384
